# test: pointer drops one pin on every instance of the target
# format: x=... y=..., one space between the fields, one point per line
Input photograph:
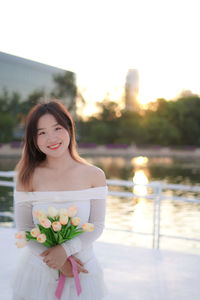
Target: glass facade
x=25 y=76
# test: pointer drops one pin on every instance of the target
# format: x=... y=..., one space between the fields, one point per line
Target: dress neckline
x=65 y=191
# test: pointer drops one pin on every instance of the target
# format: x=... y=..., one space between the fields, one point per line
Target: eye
x=58 y=128
x=41 y=132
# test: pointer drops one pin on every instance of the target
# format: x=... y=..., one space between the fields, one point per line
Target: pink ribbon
x=62 y=279
x=76 y=277
x=60 y=286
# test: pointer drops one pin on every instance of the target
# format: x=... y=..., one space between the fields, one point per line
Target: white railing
x=157 y=188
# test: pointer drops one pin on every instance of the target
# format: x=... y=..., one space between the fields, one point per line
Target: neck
x=59 y=163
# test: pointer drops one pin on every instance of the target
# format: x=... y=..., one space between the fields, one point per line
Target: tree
x=108 y=110
x=185 y=117
x=25 y=106
x=9 y=115
x=66 y=88
x=130 y=127
x=159 y=130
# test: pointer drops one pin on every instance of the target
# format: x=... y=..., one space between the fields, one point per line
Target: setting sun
x=151 y=36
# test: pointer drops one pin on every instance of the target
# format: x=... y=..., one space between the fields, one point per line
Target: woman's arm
x=24 y=220
x=55 y=256
x=97 y=217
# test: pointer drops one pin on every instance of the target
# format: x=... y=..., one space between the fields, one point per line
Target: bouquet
x=54 y=228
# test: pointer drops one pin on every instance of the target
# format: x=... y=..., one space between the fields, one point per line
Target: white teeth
x=55 y=146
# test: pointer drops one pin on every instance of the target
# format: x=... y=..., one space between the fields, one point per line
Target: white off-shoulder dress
x=33 y=279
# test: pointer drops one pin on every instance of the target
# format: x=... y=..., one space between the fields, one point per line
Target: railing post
x=14 y=224
x=159 y=213
x=154 y=215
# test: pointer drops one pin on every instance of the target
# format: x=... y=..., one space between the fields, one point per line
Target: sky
x=101 y=40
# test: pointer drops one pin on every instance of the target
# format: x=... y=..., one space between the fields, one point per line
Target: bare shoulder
x=38 y=176
x=19 y=186
x=95 y=175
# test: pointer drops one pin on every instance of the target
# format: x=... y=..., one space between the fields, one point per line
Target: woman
x=51 y=173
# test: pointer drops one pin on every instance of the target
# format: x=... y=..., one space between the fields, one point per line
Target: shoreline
x=6 y=151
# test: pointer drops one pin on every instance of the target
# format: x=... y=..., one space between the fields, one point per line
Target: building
x=25 y=76
x=132 y=90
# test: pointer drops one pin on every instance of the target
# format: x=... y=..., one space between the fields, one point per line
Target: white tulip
x=52 y=212
x=21 y=243
x=42 y=213
x=63 y=211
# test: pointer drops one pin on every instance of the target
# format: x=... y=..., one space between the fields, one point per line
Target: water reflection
x=140 y=179
x=141 y=221
x=178 y=218
x=139 y=160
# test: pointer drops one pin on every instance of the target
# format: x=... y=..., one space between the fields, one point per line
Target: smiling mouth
x=55 y=146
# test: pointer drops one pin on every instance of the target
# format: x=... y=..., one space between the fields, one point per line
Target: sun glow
x=140 y=179
x=165 y=53
x=140 y=160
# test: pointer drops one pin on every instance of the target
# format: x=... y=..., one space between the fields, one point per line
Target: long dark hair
x=31 y=155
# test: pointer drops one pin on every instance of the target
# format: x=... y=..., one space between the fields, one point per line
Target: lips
x=54 y=146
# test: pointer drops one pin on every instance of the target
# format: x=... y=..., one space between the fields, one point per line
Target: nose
x=52 y=138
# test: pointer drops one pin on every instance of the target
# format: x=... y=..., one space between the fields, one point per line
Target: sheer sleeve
x=97 y=217
x=24 y=221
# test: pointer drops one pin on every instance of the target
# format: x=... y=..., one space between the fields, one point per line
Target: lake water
x=129 y=214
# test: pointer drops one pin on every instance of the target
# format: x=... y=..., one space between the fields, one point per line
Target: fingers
x=78 y=260
x=52 y=267
x=80 y=265
x=81 y=269
x=44 y=253
x=68 y=274
x=50 y=264
x=47 y=261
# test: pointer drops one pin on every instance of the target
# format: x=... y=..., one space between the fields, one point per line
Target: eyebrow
x=45 y=128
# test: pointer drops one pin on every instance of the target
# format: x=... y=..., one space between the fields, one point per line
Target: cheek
x=40 y=140
x=65 y=135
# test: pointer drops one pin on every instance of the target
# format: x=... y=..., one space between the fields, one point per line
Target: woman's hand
x=66 y=269
x=55 y=257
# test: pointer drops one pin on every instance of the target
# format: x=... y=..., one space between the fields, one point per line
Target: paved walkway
x=131 y=273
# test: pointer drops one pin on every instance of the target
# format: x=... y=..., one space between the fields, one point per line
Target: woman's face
x=52 y=138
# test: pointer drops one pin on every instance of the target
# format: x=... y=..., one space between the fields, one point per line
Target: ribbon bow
x=62 y=279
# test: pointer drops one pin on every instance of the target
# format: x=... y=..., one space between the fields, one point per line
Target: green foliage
x=14 y=110
x=65 y=88
x=7 y=124
x=33 y=99
x=109 y=110
x=164 y=123
x=9 y=115
x=159 y=130
x=130 y=128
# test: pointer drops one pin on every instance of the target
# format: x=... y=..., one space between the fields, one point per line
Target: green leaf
x=28 y=235
x=71 y=236
x=63 y=229
x=31 y=238
x=59 y=240
x=50 y=219
x=56 y=236
x=47 y=244
x=53 y=236
x=40 y=227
